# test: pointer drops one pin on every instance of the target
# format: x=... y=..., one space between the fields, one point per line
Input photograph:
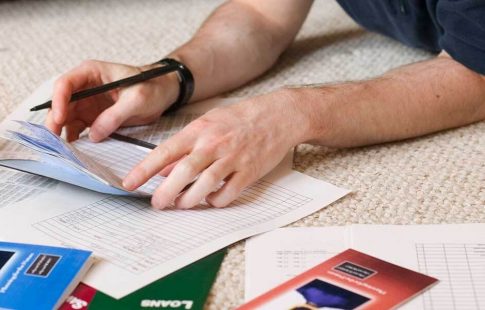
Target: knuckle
x=61 y=81
x=249 y=165
x=245 y=158
x=163 y=151
x=206 y=146
x=139 y=93
x=187 y=167
x=203 y=150
x=211 y=177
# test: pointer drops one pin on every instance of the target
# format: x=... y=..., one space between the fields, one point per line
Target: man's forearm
x=240 y=41
x=406 y=102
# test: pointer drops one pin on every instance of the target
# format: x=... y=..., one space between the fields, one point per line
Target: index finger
x=170 y=151
x=73 y=80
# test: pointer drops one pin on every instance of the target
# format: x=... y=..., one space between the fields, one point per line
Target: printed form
x=137 y=244
x=452 y=253
x=16 y=186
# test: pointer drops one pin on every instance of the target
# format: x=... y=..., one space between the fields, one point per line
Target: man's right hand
x=134 y=105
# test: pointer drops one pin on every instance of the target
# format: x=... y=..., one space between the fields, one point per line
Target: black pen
x=131 y=140
x=138 y=78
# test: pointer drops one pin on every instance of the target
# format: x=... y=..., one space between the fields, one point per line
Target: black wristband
x=186 y=83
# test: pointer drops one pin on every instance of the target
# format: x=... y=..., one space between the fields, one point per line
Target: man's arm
x=406 y=102
x=241 y=143
x=239 y=41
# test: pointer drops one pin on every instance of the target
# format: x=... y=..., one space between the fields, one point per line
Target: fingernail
x=128 y=183
x=94 y=136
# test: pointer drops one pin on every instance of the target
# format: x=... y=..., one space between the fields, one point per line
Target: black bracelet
x=186 y=83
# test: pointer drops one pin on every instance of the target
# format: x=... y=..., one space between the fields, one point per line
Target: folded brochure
x=186 y=288
x=349 y=280
x=39 y=277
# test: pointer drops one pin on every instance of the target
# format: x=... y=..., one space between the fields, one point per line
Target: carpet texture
x=438 y=178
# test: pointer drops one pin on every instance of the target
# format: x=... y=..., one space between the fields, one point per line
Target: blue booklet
x=37 y=276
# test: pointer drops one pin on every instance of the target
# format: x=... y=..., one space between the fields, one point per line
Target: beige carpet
x=435 y=179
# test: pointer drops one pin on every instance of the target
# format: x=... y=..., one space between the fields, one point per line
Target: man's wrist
x=312 y=105
x=306 y=107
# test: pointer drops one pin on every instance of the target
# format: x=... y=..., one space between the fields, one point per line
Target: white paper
x=454 y=254
x=139 y=244
x=16 y=186
x=279 y=255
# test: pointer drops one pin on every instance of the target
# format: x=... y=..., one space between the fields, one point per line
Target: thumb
x=111 y=119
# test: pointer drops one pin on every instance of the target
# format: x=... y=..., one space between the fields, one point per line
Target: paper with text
x=16 y=186
x=284 y=253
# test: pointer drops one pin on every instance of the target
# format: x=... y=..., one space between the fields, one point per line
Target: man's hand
x=237 y=144
x=238 y=42
x=138 y=104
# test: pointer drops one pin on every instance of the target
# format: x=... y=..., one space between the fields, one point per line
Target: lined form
x=282 y=254
x=461 y=270
x=140 y=244
x=137 y=238
x=16 y=186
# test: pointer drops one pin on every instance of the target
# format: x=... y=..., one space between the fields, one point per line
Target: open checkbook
x=93 y=166
x=30 y=147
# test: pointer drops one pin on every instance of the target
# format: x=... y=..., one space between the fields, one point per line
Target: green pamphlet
x=186 y=288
